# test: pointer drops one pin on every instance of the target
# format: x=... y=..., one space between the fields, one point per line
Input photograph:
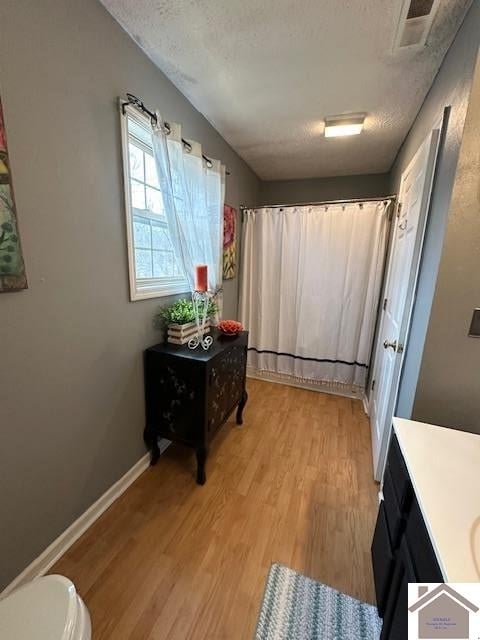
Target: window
x=154 y=271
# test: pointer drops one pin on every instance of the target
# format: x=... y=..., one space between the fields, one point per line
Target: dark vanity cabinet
x=401 y=549
x=190 y=393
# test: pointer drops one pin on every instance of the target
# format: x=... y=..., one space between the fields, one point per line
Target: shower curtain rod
x=322 y=202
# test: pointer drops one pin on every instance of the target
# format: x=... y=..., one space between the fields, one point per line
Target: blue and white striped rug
x=295 y=607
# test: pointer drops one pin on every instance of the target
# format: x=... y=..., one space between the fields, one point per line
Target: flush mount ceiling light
x=348 y=125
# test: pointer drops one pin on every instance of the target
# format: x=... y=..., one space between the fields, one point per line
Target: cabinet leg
x=241 y=406
x=150 y=438
x=201 y=460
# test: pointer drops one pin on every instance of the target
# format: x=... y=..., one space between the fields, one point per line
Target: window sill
x=155 y=291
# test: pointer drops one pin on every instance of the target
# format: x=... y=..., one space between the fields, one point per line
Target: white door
x=409 y=227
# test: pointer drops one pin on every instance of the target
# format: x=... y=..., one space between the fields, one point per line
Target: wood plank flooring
x=173 y=560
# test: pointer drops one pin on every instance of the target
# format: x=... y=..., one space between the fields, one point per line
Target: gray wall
x=448 y=390
x=451 y=87
x=319 y=189
x=71 y=389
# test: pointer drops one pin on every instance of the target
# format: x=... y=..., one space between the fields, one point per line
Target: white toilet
x=47 y=608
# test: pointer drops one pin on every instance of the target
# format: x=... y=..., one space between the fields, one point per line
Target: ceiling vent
x=415 y=23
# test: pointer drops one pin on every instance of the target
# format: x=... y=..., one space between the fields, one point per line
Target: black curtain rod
x=136 y=102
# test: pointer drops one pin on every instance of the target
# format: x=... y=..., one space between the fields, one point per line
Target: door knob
x=387 y=344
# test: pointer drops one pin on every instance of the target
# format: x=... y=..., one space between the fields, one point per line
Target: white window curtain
x=193 y=193
x=310 y=285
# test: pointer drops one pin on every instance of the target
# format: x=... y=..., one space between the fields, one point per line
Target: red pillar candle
x=201 y=277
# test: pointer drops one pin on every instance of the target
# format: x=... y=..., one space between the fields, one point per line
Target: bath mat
x=295 y=607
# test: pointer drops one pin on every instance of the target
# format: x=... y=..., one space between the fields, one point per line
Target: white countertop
x=444 y=466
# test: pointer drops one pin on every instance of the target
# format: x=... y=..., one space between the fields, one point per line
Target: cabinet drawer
x=395 y=520
x=399 y=475
x=382 y=560
x=421 y=550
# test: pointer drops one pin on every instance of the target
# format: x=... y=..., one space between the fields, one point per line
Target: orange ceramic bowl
x=230 y=327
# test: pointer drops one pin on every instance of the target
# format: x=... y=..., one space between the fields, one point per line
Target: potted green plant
x=179 y=320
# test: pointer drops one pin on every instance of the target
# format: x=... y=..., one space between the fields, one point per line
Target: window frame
x=147 y=287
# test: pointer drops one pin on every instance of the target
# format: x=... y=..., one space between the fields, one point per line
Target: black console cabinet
x=190 y=393
x=402 y=551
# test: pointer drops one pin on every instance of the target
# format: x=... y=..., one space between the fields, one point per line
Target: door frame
x=439 y=127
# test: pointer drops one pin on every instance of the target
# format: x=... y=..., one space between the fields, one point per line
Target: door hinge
x=385 y=304
x=373 y=385
x=399 y=209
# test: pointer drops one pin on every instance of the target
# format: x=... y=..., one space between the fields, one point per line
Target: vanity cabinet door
x=395 y=621
x=421 y=550
x=398 y=472
x=382 y=560
x=395 y=519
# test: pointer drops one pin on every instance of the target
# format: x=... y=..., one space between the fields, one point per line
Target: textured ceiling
x=266 y=72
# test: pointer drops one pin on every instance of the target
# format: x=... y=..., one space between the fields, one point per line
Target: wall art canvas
x=12 y=269
x=229 y=243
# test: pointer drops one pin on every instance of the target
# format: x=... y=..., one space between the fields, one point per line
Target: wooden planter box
x=181 y=333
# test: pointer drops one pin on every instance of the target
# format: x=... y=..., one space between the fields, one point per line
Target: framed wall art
x=229 y=243
x=12 y=268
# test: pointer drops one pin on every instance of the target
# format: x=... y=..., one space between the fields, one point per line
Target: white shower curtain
x=311 y=279
x=193 y=193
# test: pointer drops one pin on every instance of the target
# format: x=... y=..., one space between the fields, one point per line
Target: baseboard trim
x=366 y=404
x=65 y=540
x=266 y=377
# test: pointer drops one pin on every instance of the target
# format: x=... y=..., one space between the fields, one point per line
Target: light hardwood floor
x=174 y=560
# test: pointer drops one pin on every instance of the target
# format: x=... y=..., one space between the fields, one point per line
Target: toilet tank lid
x=44 y=609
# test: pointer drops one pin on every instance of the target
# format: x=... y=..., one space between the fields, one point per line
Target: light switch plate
x=474 y=331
